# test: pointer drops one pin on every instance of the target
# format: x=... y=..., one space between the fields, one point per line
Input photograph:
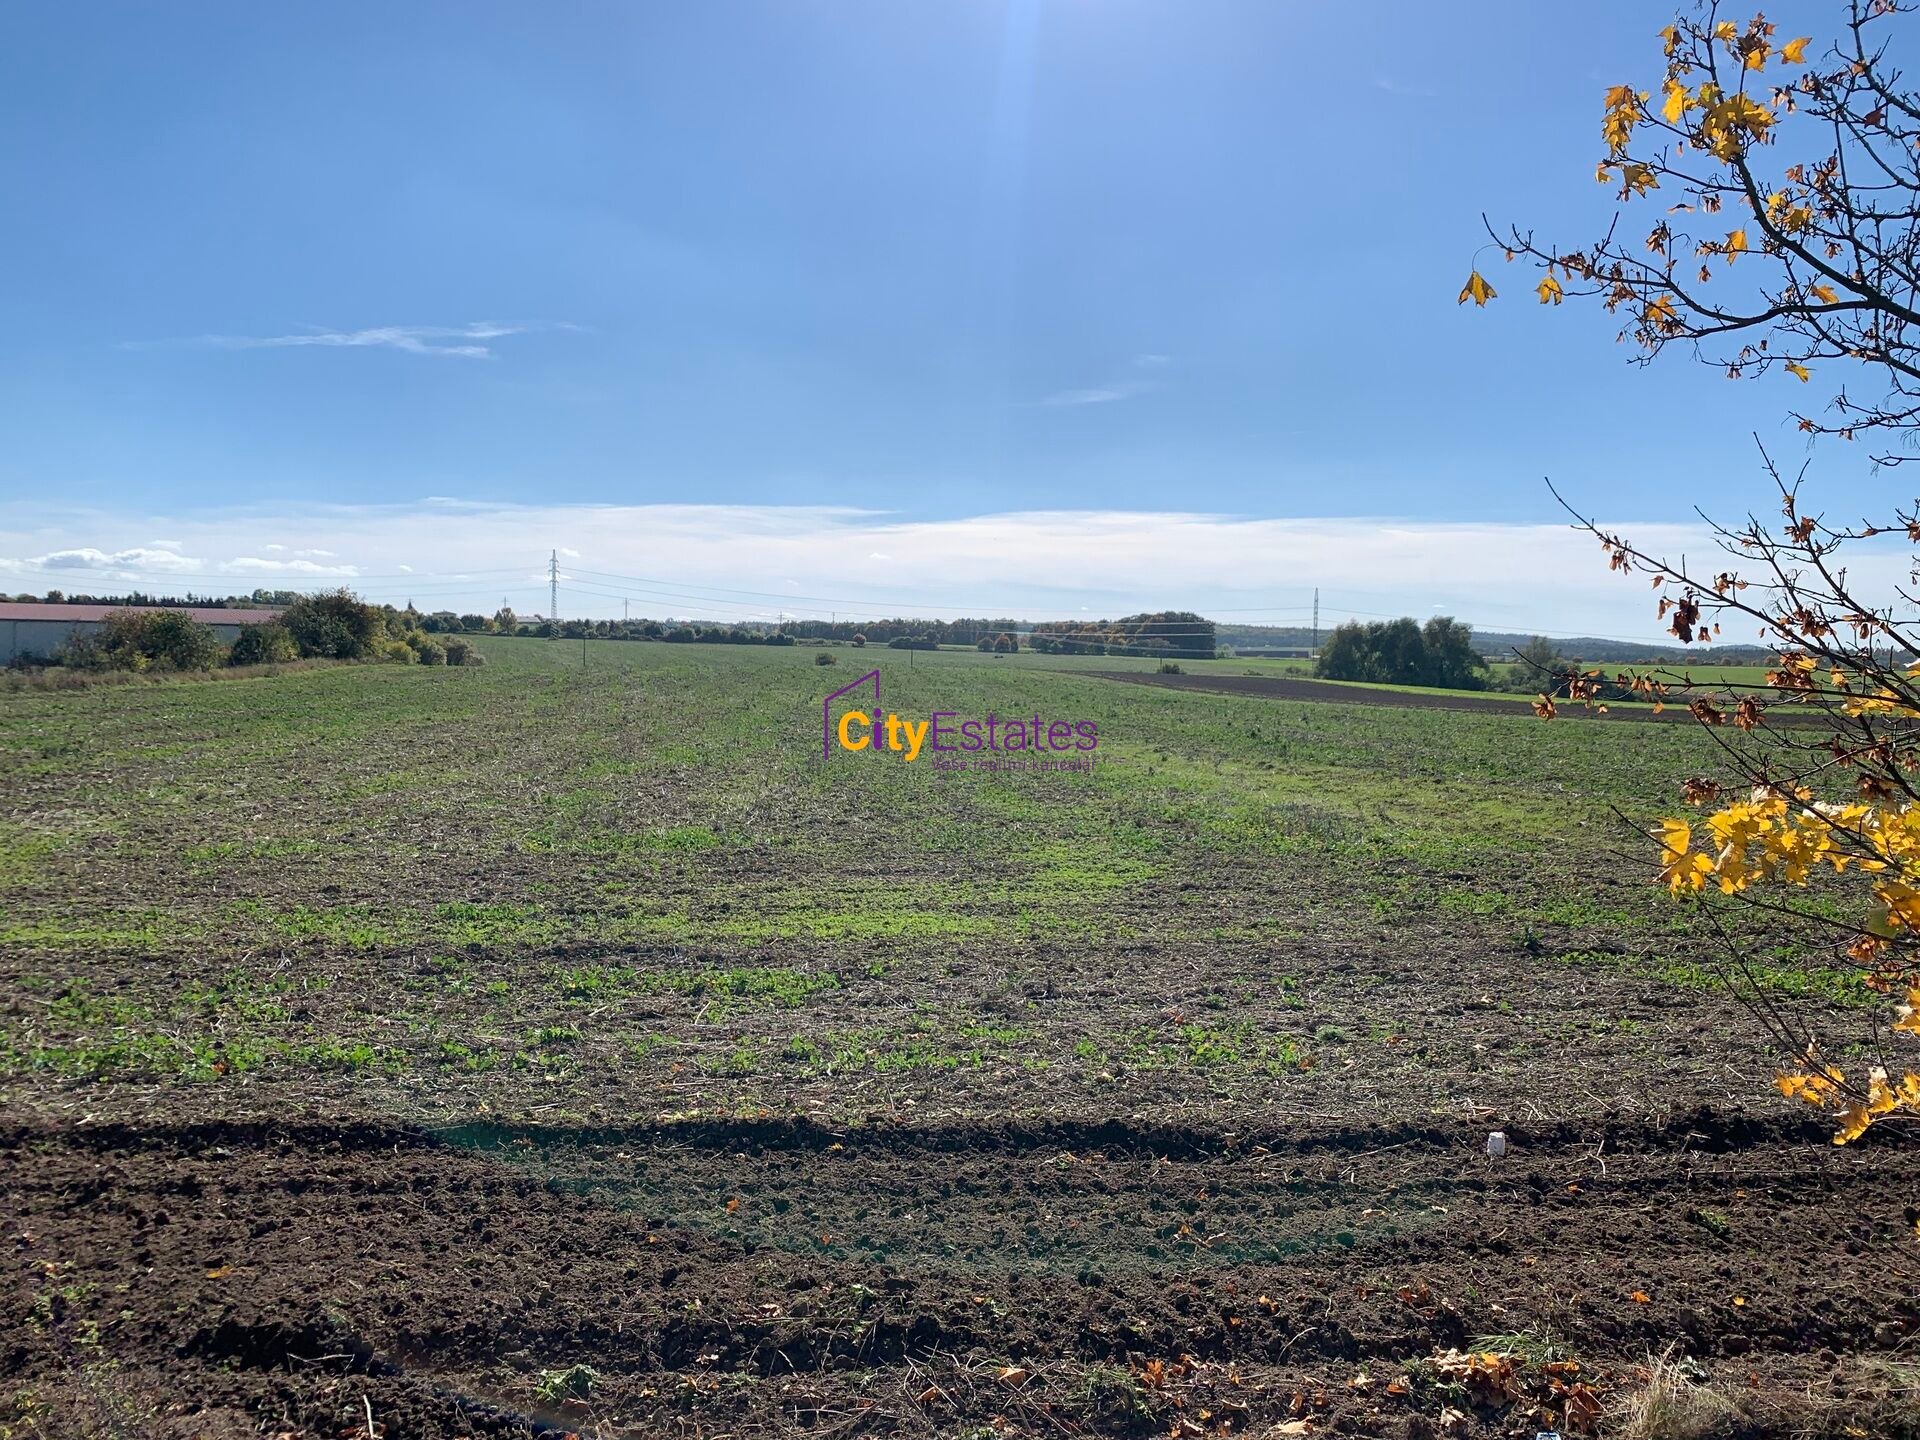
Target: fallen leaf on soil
x=1292 y=1427
x=1014 y=1376
x=1580 y=1407
x=1640 y=1297
x=219 y=1272
x=1487 y=1374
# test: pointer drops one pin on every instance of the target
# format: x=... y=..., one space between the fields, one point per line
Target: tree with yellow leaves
x=1790 y=244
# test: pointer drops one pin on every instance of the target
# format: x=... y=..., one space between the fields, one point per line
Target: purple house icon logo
x=826 y=710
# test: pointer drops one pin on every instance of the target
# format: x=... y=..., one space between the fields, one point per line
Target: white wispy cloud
x=254 y=565
x=137 y=563
x=465 y=342
x=709 y=561
x=1390 y=86
x=1109 y=391
x=1099 y=394
x=136 y=558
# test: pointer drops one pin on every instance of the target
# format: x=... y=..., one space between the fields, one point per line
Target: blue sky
x=936 y=260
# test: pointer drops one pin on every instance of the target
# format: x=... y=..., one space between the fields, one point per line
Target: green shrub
x=268 y=644
x=337 y=625
x=426 y=649
x=823 y=658
x=461 y=652
x=144 y=640
x=397 y=651
x=174 y=638
x=1404 y=652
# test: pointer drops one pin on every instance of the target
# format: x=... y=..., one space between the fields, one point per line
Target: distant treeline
x=1137 y=634
x=1404 y=652
x=1443 y=653
x=1170 y=634
x=258 y=600
x=1500 y=645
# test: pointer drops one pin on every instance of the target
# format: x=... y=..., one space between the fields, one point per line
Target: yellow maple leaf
x=1725 y=31
x=1681 y=867
x=1853 y=1124
x=1757 y=58
x=1677 y=99
x=1800 y=371
x=1908 y=1016
x=1549 y=291
x=1794 y=52
x=1623 y=112
x=1736 y=243
x=1636 y=179
x=1477 y=290
x=1825 y=294
x=1731 y=122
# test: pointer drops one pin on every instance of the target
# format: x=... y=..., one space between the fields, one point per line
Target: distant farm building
x=33 y=631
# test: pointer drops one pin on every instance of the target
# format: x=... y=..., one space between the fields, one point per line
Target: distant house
x=33 y=630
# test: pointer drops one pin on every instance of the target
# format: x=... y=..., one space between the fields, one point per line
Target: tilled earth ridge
x=339 y=1277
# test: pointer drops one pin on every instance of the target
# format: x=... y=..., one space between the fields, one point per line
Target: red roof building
x=33 y=629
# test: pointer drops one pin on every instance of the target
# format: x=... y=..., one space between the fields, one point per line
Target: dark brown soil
x=1285 y=687
x=336 y=1278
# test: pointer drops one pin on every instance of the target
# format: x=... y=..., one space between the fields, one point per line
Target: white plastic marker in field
x=1497 y=1144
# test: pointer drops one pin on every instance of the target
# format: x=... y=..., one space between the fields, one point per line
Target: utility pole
x=553 y=592
x=1315 y=653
